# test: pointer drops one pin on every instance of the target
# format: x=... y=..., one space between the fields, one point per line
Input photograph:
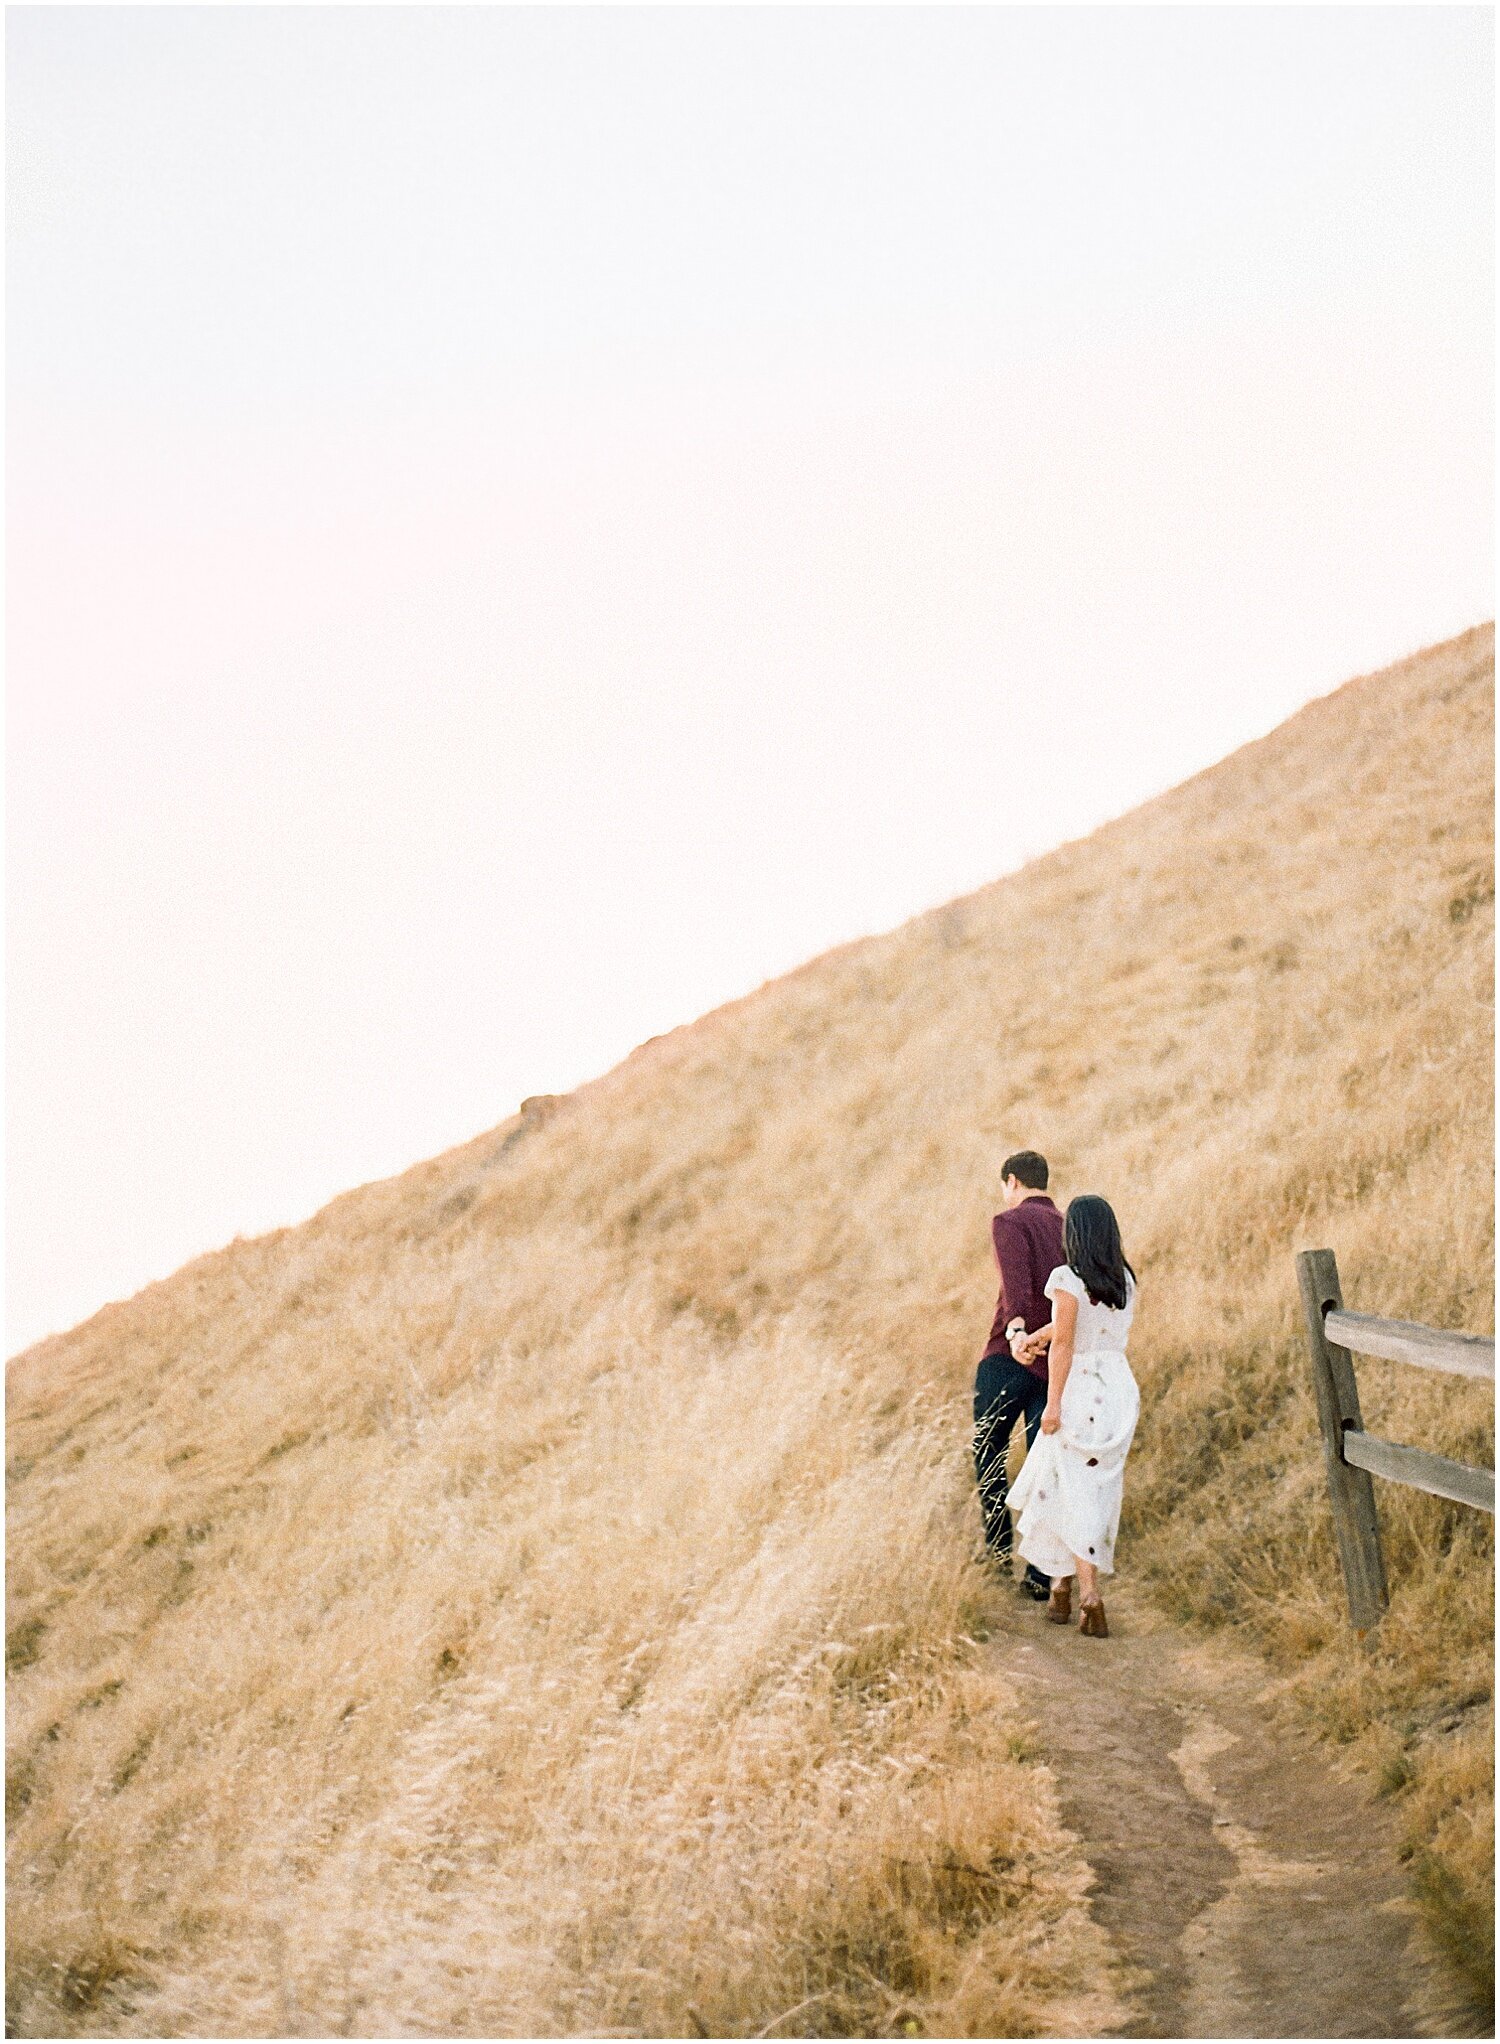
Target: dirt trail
x=1250 y=1890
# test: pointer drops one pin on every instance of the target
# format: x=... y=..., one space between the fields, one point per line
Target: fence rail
x=1421 y=1471
x=1404 y=1341
x=1334 y=1337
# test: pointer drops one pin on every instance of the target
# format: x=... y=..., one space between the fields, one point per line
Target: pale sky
x=524 y=523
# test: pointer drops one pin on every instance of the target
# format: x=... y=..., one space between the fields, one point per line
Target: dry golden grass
x=538 y=1595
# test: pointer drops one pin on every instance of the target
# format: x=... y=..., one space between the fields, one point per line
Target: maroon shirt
x=1028 y=1248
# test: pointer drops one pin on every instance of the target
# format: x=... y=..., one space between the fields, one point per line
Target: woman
x=1068 y=1494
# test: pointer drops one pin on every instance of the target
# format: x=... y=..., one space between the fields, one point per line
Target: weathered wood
x=1419 y=1470
x=1352 y=1495
x=1404 y=1341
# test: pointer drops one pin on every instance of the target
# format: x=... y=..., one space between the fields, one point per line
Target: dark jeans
x=1003 y=1393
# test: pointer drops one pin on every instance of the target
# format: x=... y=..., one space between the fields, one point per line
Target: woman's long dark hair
x=1092 y=1242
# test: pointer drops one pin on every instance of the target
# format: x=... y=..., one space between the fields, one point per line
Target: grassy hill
x=539 y=1594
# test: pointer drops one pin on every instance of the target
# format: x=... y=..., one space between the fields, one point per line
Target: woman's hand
x=1029 y=1348
x=1051 y=1418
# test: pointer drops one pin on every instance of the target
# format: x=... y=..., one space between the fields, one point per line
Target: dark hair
x=1028 y=1167
x=1092 y=1238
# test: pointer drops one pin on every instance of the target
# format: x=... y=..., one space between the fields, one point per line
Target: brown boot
x=1091 y=1620
x=1060 y=1603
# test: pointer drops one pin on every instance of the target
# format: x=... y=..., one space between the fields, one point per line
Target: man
x=1028 y=1239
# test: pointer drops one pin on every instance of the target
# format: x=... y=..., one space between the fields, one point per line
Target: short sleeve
x=1065 y=1279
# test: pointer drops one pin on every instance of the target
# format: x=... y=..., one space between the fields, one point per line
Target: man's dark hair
x=1092 y=1239
x=1028 y=1167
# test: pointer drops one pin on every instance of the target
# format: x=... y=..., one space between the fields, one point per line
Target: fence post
x=1350 y=1490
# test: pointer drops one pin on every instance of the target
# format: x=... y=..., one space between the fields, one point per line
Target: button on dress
x=1067 y=1497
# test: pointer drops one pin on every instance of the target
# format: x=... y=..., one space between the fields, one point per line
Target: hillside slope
x=538 y=1595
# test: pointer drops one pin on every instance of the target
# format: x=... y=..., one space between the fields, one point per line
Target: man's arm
x=1013 y=1255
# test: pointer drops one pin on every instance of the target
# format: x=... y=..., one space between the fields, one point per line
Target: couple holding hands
x=1056 y=1360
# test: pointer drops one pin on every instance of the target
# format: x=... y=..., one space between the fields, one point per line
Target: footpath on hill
x=1250 y=1890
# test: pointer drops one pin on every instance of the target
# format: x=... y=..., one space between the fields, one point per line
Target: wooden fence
x=1351 y=1454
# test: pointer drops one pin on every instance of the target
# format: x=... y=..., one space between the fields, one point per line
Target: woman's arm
x=1059 y=1357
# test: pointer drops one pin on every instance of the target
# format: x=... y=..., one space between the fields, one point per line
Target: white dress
x=1067 y=1497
